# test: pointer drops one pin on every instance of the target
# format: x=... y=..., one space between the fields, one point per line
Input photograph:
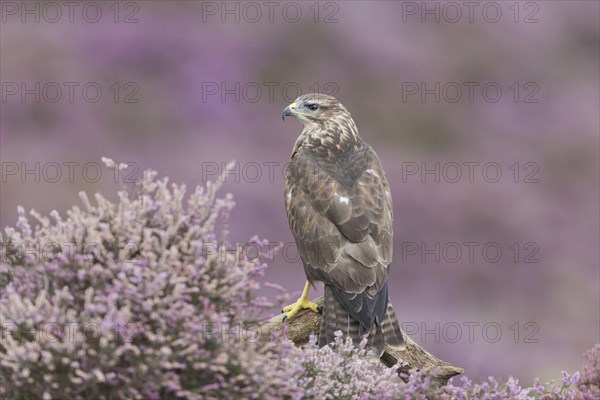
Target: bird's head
x=315 y=109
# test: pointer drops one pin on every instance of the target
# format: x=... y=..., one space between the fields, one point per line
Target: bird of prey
x=339 y=208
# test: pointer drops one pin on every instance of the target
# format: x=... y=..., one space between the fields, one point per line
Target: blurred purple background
x=188 y=86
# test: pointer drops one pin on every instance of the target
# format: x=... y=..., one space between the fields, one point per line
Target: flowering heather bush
x=126 y=300
x=343 y=371
x=590 y=384
x=572 y=387
x=144 y=298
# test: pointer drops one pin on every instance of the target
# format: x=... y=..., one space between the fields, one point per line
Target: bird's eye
x=312 y=106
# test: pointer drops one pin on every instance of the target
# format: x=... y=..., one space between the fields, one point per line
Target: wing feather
x=340 y=215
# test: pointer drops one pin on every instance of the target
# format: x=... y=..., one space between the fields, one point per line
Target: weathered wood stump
x=307 y=323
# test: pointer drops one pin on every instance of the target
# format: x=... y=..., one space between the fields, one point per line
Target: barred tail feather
x=337 y=318
x=392 y=335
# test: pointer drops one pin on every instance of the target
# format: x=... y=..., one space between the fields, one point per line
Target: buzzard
x=339 y=208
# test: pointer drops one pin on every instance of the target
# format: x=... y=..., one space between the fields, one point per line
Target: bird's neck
x=342 y=134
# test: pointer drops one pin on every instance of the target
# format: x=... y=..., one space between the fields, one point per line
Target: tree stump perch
x=307 y=323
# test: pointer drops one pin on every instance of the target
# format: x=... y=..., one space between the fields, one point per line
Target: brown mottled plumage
x=339 y=208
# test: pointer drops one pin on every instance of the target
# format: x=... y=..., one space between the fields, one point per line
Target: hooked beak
x=289 y=111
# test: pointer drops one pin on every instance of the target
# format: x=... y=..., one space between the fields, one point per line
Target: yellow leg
x=303 y=303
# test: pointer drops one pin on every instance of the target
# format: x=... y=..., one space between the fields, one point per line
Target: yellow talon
x=303 y=303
